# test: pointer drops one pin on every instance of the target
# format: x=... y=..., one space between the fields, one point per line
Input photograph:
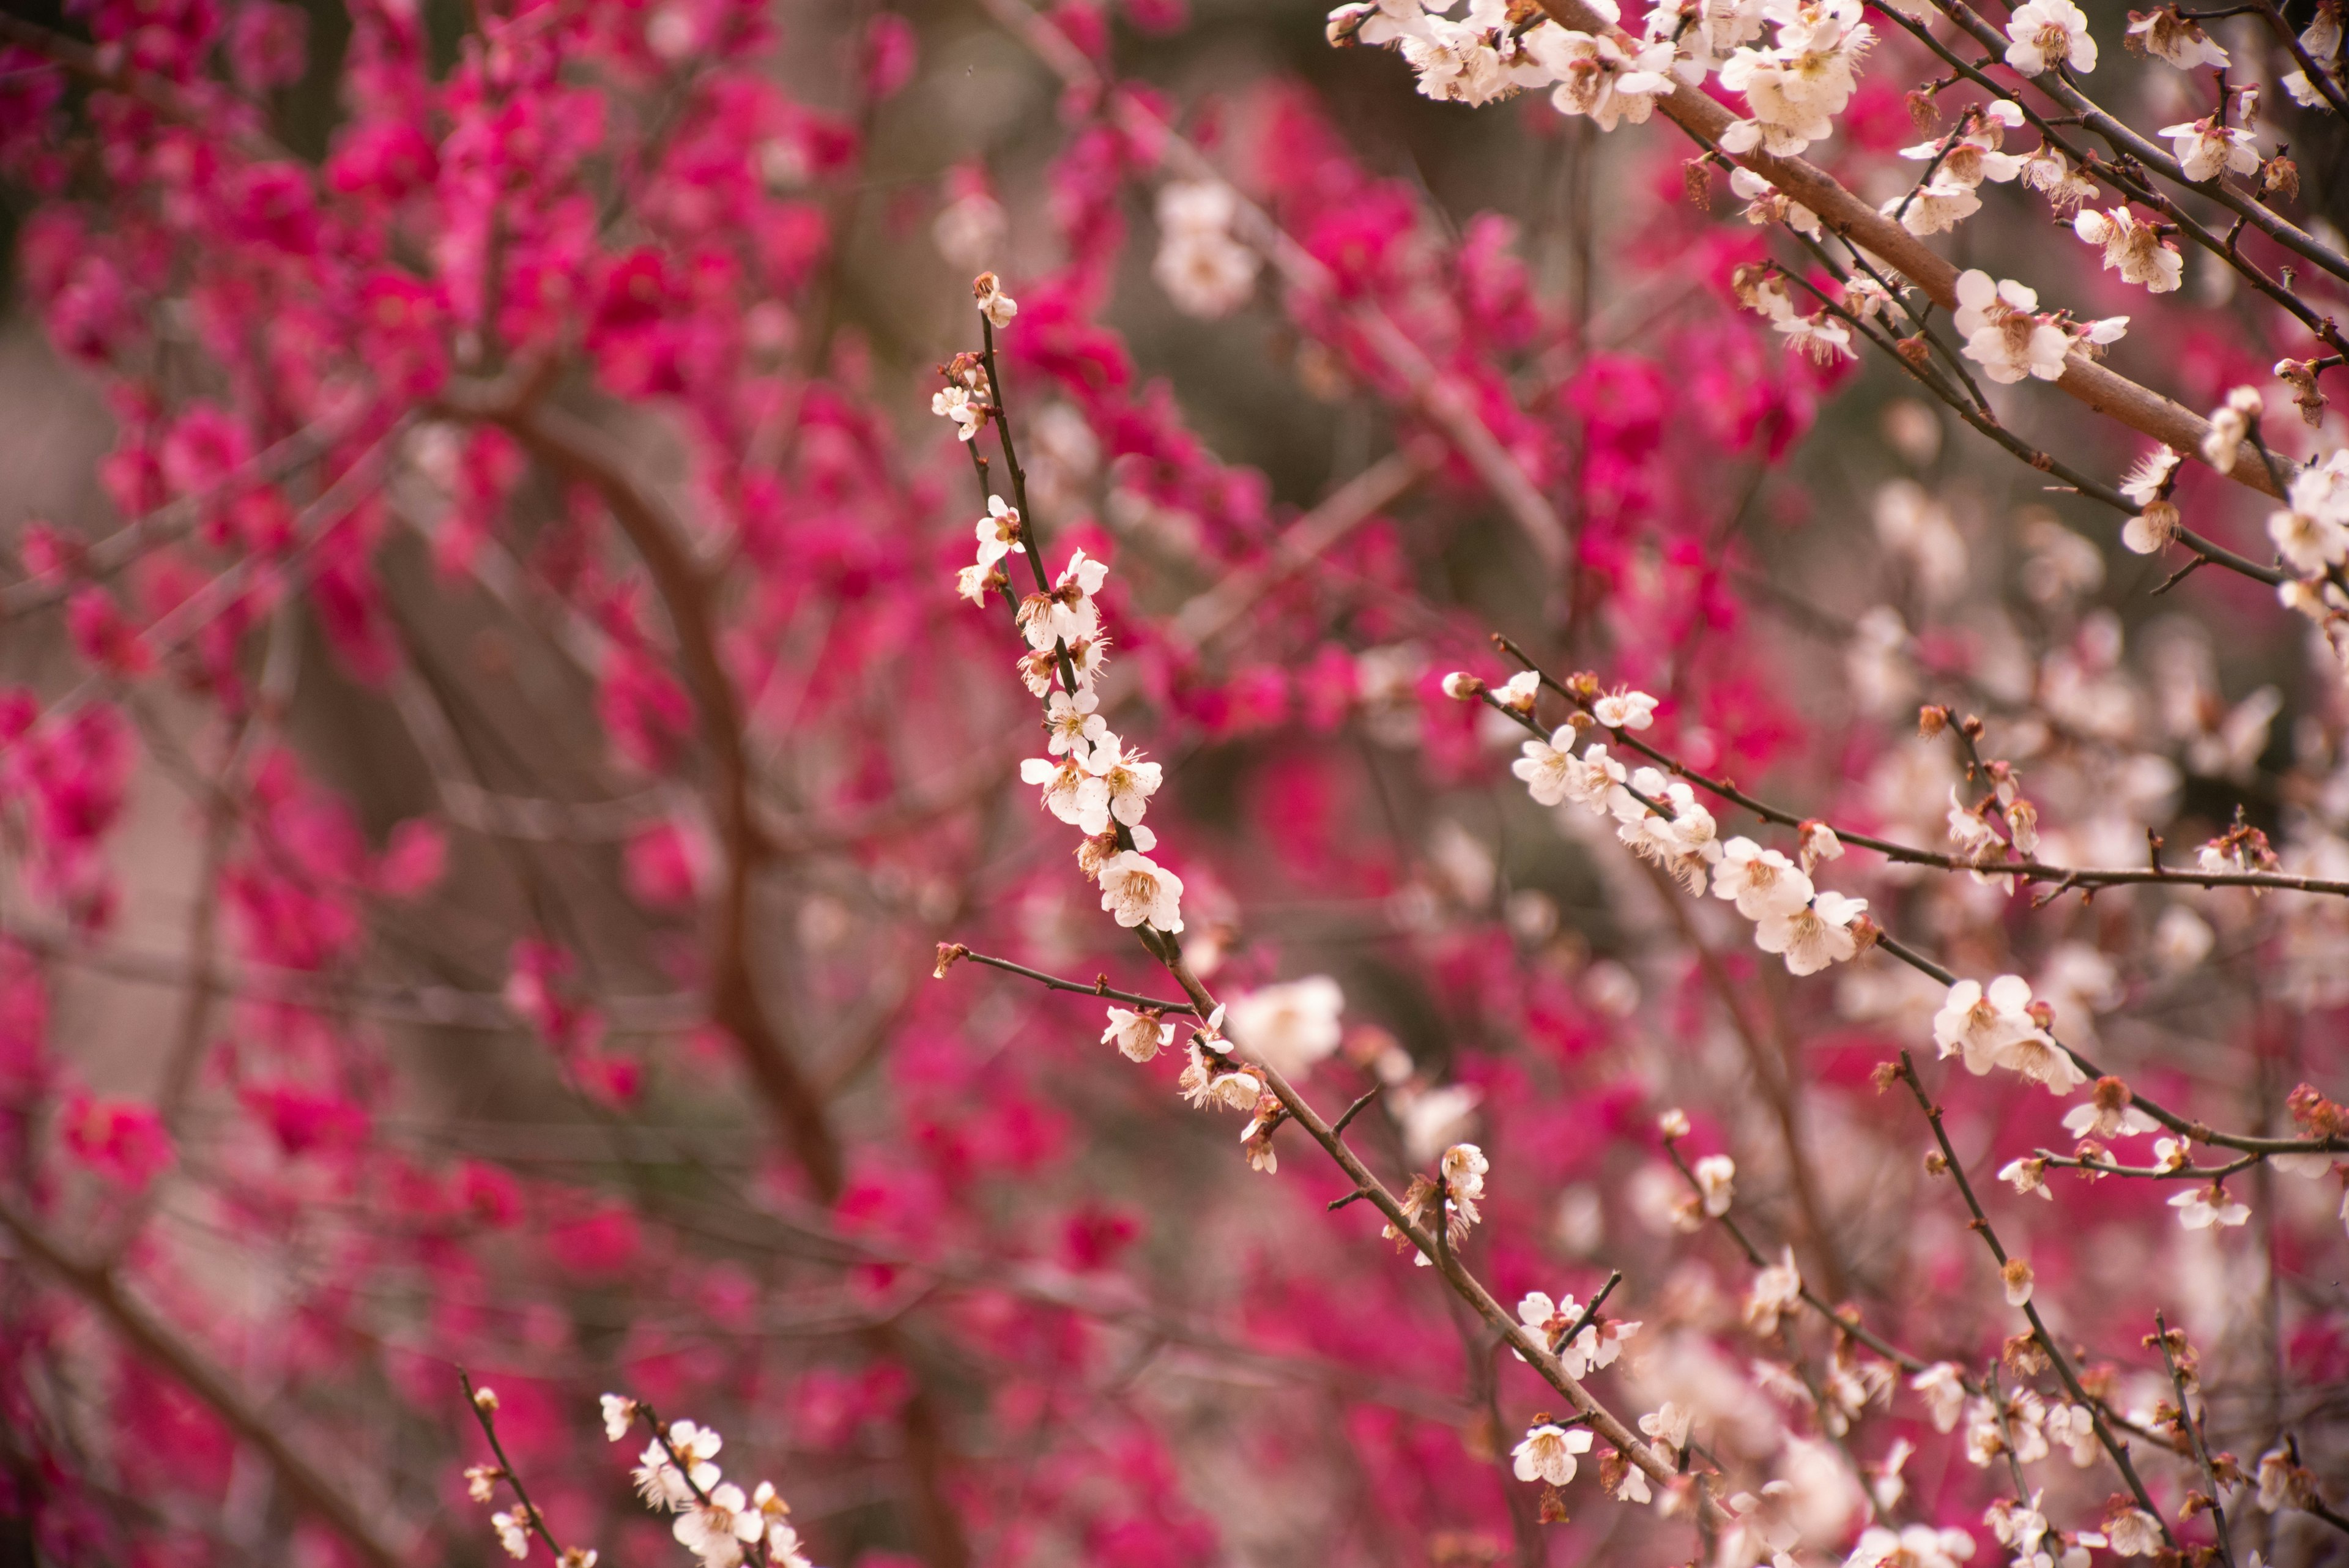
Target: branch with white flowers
x=1582 y=693
x=518 y=1526
x=1091 y=780
x=2015 y=1273
x=1657 y=817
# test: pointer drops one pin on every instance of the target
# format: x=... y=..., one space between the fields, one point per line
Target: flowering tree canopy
x=1452 y=781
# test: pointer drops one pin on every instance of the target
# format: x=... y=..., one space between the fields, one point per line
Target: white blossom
x=1811 y=936
x=956 y=404
x=1548 y=1453
x=2003 y=332
x=2047 y=34
x=1548 y=767
x=1137 y=890
x=1944 y=1389
x=619 y=1415
x=1072 y=725
x=1762 y=881
x=1912 y=1546
x=999 y=532
x=1776 y=1291
x=998 y=306
x=660 y=1483
x=2205 y=147
x=1140 y=1035
x=1597 y=78
x=1117 y=786
x=513 y=1530
x=1624 y=708
x=1204 y=271
x=1715 y=1176
x=2165 y=35
x=2200 y=1208
x=2133 y=248
x=1289 y=1026
x=717 y=1531
x=1982 y=1024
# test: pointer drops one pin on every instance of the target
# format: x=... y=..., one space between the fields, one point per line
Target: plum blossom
x=2133 y=248
x=1812 y=936
x=1934 y=207
x=2026 y=1175
x=1982 y=1024
x=1072 y=725
x=1761 y=881
x=2048 y=35
x=1548 y=767
x=1944 y=1388
x=660 y=1483
x=1117 y=786
x=1548 y=1453
x=2167 y=35
x=1911 y=1546
x=2206 y=147
x=1063 y=783
x=2003 y=332
x=2311 y=531
x=1289 y=1026
x=2109 y=1113
x=1715 y=1175
x=1777 y=1289
x=1668 y=1424
x=1517 y=694
x=619 y=1415
x=1597 y=76
x=513 y=1530
x=1204 y=271
x=1624 y=708
x=1766 y=204
x=717 y=1531
x=968 y=411
x=1138 y=891
x=2046 y=170
x=2200 y=1208
x=998 y=306
x=999 y=532
x=1138 y=1036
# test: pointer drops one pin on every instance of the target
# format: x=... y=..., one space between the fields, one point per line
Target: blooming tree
x=705 y=750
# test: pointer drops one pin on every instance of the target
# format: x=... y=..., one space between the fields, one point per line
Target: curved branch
x=1863 y=227
x=212 y=1388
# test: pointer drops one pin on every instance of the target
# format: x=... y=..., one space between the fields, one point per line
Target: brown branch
x=1432 y=393
x=1862 y=226
x=212 y=1388
x=1771 y=1078
x=792 y=1097
x=1352 y=504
